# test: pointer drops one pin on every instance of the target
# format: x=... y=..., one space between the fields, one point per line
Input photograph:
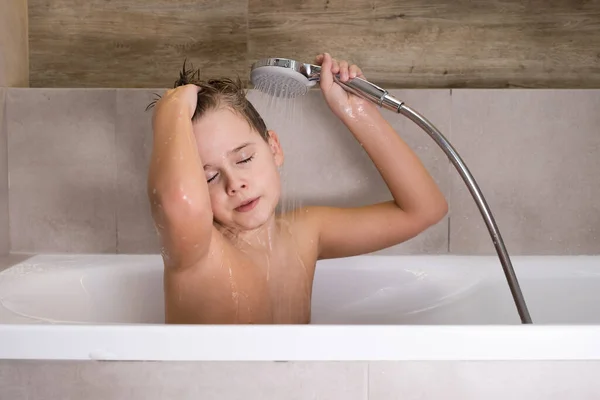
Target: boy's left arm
x=418 y=202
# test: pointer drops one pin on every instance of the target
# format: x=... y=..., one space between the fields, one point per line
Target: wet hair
x=219 y=93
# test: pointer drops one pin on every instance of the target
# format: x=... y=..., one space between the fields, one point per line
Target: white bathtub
x=110 y=307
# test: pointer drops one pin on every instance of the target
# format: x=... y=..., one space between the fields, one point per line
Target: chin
x=256 y=221
x=257 y=217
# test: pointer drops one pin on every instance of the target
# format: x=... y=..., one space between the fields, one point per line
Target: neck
x=262 y=238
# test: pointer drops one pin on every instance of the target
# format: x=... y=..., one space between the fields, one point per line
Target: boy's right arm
x=177 y=188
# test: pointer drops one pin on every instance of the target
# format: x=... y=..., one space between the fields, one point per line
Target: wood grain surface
x=133 y=43
x=408 y=43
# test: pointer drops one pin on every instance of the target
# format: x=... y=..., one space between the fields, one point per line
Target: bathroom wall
x=407 y=380
x=14 y=49
x=78 y=160
x=400 y=44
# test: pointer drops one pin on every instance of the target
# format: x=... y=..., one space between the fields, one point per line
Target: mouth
x=248 y=205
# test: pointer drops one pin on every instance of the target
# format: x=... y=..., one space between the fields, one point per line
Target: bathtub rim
x=299 y=343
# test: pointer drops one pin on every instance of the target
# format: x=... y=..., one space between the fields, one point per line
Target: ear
x=276 y=149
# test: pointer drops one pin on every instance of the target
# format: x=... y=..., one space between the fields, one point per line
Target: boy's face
x=240 y=167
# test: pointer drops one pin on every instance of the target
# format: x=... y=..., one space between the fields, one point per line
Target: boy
x=214 y=184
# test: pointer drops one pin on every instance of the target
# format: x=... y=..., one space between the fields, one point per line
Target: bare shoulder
x=306 y=220
x=300 y=221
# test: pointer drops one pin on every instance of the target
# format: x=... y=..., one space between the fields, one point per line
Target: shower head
x=282 y=77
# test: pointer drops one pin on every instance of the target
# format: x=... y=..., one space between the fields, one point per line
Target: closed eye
x=247 y=160
x=244 y=161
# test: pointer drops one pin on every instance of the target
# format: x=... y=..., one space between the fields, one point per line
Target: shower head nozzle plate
x=282 y=77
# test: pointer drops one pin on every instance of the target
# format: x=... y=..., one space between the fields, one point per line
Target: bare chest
x=243 y=288
x=282 y=282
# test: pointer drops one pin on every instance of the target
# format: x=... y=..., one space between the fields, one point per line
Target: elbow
x=432 y=214
x=441 y=209
x=176 y=205
x=436 y=213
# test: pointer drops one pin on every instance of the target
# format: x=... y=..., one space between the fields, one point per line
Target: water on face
x=283 y=112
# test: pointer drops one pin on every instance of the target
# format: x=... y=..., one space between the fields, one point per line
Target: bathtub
x=427 y=307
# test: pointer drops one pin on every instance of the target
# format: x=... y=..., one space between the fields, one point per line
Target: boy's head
x=240 y=156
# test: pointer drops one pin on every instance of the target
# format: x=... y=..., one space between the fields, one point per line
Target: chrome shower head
x=282 y=77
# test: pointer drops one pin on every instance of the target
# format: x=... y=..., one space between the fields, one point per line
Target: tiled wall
x=400 y=44
x=493 y=380
x=62 y=170
x=78 y=160
x=4 y=234
x=536 y=155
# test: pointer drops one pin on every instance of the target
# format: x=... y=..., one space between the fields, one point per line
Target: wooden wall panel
x=407 y=43
x=133 y=43
x=13 y=44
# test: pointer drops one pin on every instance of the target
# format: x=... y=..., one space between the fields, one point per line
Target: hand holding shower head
x=282 y=77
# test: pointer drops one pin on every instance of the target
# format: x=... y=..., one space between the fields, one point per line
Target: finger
x=360 y=74
x=336 y=66
x=344 y=74
x=319 y=59
x=326 y=72
x=354 y=71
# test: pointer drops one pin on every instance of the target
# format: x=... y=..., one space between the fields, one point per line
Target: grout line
x=448 y=249
x=6 y=164
x=450 y=169
x=247 y=61
x=368 y=385
x=116 y=173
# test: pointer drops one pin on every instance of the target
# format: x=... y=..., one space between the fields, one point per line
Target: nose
x=235 y=184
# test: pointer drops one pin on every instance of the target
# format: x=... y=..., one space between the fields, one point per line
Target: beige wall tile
x=182 y=381
x=133 y=43
x=62 y=170
x=136 y=233
x=535 y=155
x=4 y=234
x=474 y=380
x=325 y=165
x=14 y=45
